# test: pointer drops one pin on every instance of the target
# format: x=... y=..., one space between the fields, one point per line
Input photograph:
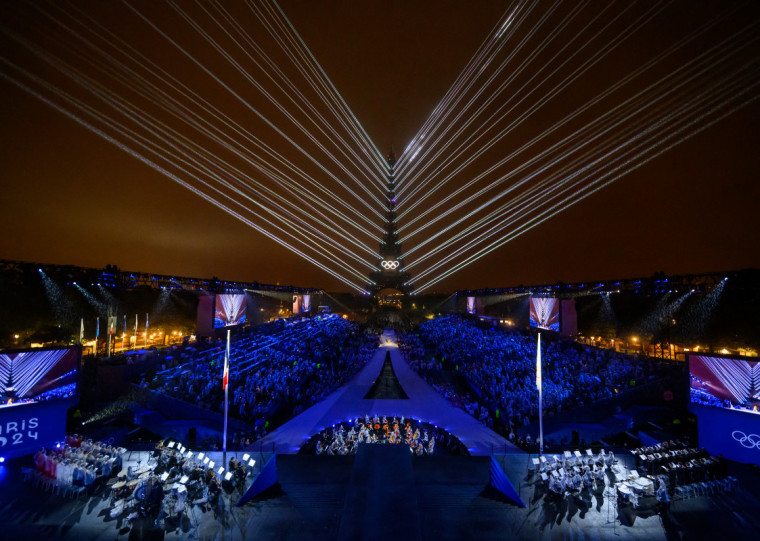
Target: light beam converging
x=229 y=102
x=719 y=94
x=26 y=370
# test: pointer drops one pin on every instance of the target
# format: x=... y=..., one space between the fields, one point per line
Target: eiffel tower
x=390 y=278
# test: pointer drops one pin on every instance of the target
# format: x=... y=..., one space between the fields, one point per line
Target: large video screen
x=544 y=313
x=301 y=303
x=38 y=375
x=471 y=305
x=725 y=383
x=229 y=310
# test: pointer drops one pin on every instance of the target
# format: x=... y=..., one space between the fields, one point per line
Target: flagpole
x=110 y=332
x=225 y=382
x=540 y=399
x=97 y=334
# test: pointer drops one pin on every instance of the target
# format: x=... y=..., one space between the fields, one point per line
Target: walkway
x=423 y=404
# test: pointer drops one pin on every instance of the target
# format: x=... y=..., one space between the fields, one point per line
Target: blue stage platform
x=424 y=404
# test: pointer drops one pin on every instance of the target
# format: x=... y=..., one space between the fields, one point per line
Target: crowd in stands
x=421 y=438
x=273 y=373
x=500 y=369
x=699 y=396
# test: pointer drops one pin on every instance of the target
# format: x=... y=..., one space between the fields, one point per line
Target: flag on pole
x=226 y=363
x=226 y=397
x=538 y=363
x=540 y=398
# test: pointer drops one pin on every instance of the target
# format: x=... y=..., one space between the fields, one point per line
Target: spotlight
x=2 y=459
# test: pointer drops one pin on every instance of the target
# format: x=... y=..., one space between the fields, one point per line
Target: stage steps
x=381 y=499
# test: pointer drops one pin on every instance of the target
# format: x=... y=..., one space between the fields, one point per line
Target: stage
x=423 y=403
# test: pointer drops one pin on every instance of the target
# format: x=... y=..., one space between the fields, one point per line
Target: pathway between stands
x=423 y=404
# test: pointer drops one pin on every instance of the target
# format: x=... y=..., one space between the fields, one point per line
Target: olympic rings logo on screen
x=750 y=441
x=389 y=265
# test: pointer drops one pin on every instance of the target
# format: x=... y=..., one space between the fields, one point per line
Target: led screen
x=470 y=305
x=230 y=310
x=38 y=375
x=724 y=383
x=301 y=303
x=544 y=313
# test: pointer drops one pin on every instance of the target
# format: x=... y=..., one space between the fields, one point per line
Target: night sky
x=70 y=197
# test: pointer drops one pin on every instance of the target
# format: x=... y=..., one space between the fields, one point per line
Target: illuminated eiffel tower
x=390 y=278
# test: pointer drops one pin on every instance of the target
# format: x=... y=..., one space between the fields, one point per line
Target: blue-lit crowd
x=273 y=374
x=500 y=370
